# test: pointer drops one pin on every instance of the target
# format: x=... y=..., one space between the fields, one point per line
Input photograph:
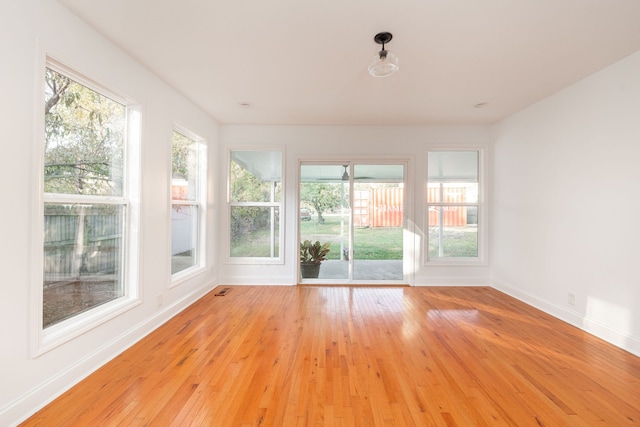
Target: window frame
x=481 y=205
x=201 y=188
x=44 y=339
x=280 y=259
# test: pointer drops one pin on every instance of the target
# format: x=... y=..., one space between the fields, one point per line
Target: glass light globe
x=383 y=64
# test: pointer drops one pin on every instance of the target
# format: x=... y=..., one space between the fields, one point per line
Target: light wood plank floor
x=358 y=356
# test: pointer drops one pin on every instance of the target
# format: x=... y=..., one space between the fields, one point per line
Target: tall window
x=85 y=203
x=186 y=209
x=255 y=198
x=453 y=205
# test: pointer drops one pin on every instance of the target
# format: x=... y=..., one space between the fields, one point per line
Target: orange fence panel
x=384 y=207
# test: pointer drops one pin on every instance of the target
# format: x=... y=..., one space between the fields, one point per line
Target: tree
x=182 y=156
x=321 y=196
x=246 y=187
x=84 y=139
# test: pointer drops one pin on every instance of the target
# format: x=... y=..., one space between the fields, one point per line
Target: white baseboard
x=619 y=339
x=450 y=281
x=441 y=281
x=257 y=281
x=26 y=405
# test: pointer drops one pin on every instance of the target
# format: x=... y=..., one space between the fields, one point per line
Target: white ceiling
x=305 y=61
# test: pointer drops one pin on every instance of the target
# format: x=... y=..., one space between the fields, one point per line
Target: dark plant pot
x=309 y=270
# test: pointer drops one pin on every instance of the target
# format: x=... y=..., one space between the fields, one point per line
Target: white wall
x=28 y=30
x=566 y=204
x=350 y=142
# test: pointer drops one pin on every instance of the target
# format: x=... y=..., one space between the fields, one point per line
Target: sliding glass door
x=378 y=219
x=325 y=215
x=358 y=208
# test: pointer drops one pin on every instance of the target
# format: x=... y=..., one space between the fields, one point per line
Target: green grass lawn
x=254 y=244
x=457 y=242
x=382 y=243
x=369 y=243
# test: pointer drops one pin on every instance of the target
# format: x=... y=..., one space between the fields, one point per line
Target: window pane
x=452 y=192
x=453 y=177
x=453 y=231
x=255 y=231
x=256 y=176
x=84 y=139
x=184 y=183
x=83 y=253
x=453 y=166
x=184 y=237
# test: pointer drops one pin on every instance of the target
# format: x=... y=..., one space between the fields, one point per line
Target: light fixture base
x=383 y=38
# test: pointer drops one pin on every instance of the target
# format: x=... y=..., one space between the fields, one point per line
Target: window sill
x=465 y=262
x=69 y=329
x=182 y=276
x=255 y=261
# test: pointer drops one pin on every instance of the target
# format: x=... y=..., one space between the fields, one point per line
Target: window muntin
x=186 y=209
x=255 y=198
x=452 y=192
x=453 y=205
x=85 y=208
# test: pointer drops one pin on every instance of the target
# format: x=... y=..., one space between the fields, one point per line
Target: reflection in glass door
x=359 y=209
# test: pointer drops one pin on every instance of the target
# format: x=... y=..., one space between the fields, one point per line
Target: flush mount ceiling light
x=384 y=63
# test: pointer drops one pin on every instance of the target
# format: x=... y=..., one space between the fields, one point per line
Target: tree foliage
x=246 y=187
x=84 y=139
x=321 y=196
x=184 y=157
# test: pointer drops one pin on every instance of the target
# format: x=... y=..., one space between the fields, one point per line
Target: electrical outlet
x=571 y=299
x=159 y=300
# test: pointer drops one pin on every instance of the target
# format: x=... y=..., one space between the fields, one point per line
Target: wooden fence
x=97 y=251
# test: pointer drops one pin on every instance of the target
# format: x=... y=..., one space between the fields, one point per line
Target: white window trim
x=482 y=205
x=281 y=204
x=44 y=340
x=201 y=256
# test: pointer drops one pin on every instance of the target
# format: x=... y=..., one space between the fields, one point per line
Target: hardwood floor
x=358 y=356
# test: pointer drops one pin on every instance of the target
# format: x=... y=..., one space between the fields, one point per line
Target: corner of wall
x=617 y=338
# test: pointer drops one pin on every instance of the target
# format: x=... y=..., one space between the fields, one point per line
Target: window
x=186 y=207
x=453 y=206
x=86 y=208
x=255 y=200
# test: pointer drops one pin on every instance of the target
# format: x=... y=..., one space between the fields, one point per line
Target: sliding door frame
x=409 y=261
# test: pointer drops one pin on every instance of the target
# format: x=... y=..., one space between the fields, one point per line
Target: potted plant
x=311 y=256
